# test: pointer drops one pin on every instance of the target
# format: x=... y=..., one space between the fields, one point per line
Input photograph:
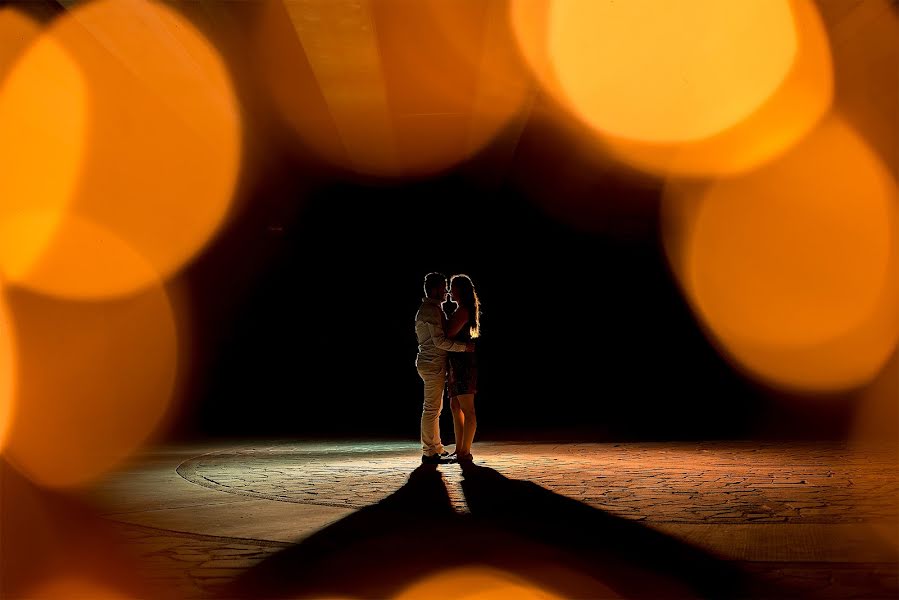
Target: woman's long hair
x=469 y=299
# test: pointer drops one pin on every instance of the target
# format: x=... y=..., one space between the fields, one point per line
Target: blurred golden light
x=392 y=87
x=74 y=587
x=94 y=381
x=795 y=267
x=669 y=72
x=42 y=150
x=7 y=369
x=16 y=32
x=77 y=242
x=529 y=22
x=146 y=144
x=865 y=41
x=475 y=583
x=701 y=89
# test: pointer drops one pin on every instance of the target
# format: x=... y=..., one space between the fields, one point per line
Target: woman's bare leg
x=458 y=420
x=469 y=423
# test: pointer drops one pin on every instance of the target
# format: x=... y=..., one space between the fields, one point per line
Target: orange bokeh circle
x=794 y=268
x=146 y=145
x=698 y=92
x=42 y=152
x=94 y=380
x=392 y=87
x=475 y=583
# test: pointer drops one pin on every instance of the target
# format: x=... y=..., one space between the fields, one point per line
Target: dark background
x=302 y=312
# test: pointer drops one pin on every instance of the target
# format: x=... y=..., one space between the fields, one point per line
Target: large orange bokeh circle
x=42 y=150
x=94 y=381
x=716 y=88
x=794 y=268
x=669 y=72
x=77 y=242
x=147 y=144
x=392 y=88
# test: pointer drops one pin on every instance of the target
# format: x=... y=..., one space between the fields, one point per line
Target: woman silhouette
x=462 y=375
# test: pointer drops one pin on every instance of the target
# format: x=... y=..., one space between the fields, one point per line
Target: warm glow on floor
x=795 y=267
x=392 y=88
x=94 y=381
x=145 y=144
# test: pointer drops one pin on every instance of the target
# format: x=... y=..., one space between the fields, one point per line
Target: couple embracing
x=446 y=358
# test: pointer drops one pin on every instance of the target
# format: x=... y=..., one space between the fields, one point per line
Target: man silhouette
x=431 y=363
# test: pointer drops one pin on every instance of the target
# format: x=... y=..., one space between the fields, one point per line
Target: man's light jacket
x=432 y=341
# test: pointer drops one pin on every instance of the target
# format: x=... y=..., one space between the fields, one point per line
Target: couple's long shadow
x=561 y=545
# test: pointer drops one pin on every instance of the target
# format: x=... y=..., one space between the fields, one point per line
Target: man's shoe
x=432 y=459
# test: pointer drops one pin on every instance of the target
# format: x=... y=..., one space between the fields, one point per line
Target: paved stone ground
x=687 y=483
x=184 y=565
x=720 y=495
